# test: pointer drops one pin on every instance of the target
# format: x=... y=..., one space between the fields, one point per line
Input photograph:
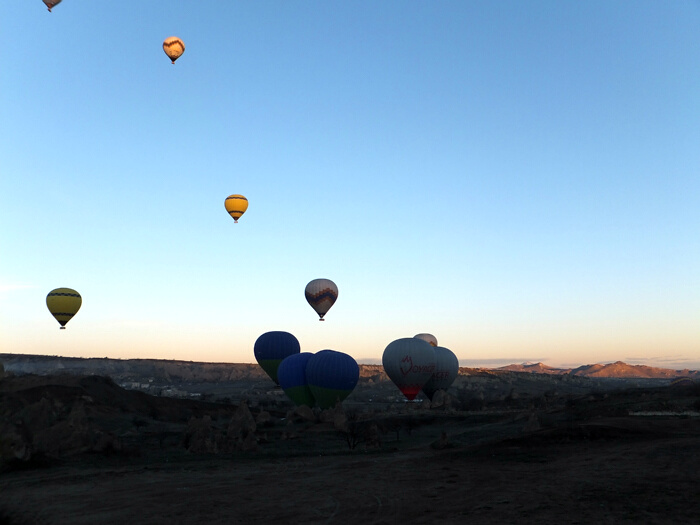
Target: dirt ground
x=606 y=470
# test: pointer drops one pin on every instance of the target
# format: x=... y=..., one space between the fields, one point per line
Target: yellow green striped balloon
x=63 y=303
x=236 y=205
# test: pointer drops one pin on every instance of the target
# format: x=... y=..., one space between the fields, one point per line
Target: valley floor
x=604 y=470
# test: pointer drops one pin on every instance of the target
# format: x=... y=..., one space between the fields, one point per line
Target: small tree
x=349 y=426
x=392 y=424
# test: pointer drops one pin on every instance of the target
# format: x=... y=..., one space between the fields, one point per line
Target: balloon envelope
x=236 y=205
x=428 y=338
x=63 y=303
x=332 y=376
x=271 y=348
x=446 y=371
x=409 y=363
x=173 y=47
x=51 y=3
x=291 y=375
x=321 y=295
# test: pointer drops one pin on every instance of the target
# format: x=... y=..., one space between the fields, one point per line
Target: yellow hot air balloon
x=63 y=303
x=173 y=47
x=51 y=3
x=236 y=205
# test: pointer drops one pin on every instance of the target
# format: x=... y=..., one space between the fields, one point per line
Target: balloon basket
x=62 y=328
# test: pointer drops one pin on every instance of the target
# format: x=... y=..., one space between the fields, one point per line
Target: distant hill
x=161 y=370
x=620 y=369
x=169 y=371
x=535 y=368
x=610 y=370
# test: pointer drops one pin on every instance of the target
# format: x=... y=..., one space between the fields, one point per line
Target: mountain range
x=171 y=370
x=617 y=369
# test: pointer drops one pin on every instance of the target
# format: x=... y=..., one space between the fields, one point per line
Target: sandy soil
x=607 y=470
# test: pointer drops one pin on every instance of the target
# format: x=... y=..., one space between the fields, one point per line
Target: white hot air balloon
x=446 y=371
x=428 y=338
x=409 y=363
x=321 y=295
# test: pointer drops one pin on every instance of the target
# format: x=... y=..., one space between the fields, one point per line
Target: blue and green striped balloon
x=291 y=375
x=332 y=376
x=271 y=348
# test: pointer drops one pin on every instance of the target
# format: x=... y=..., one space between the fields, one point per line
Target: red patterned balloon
x=321 y=294
x=51 y=3
x=409 y=363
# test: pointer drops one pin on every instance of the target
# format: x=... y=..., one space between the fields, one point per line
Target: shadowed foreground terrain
x=80 y=449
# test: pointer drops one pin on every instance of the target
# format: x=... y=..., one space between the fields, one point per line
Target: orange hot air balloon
x=236 y=205
x=173 y=47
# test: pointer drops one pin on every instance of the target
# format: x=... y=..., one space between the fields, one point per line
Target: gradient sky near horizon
x=520 y=179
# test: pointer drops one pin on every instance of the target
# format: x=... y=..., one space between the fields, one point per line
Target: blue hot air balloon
x=332 y=377
x=446 y=371
x=291 y=375
x=271 y=348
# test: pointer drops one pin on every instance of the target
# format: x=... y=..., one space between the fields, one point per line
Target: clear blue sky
x=520 y=179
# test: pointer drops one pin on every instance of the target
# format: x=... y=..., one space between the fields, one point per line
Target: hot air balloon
x=428 y=338
x=332 y=376
x=446 y=371
x=291 y=375
x=173 y=47
x=236 y=205
x=51 y=3
x=63 y=303
x=271 y=348
x=409 y=363
x=321 y=295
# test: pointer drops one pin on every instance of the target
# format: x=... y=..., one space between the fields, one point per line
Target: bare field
x=613 y=471
x=79 y=449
